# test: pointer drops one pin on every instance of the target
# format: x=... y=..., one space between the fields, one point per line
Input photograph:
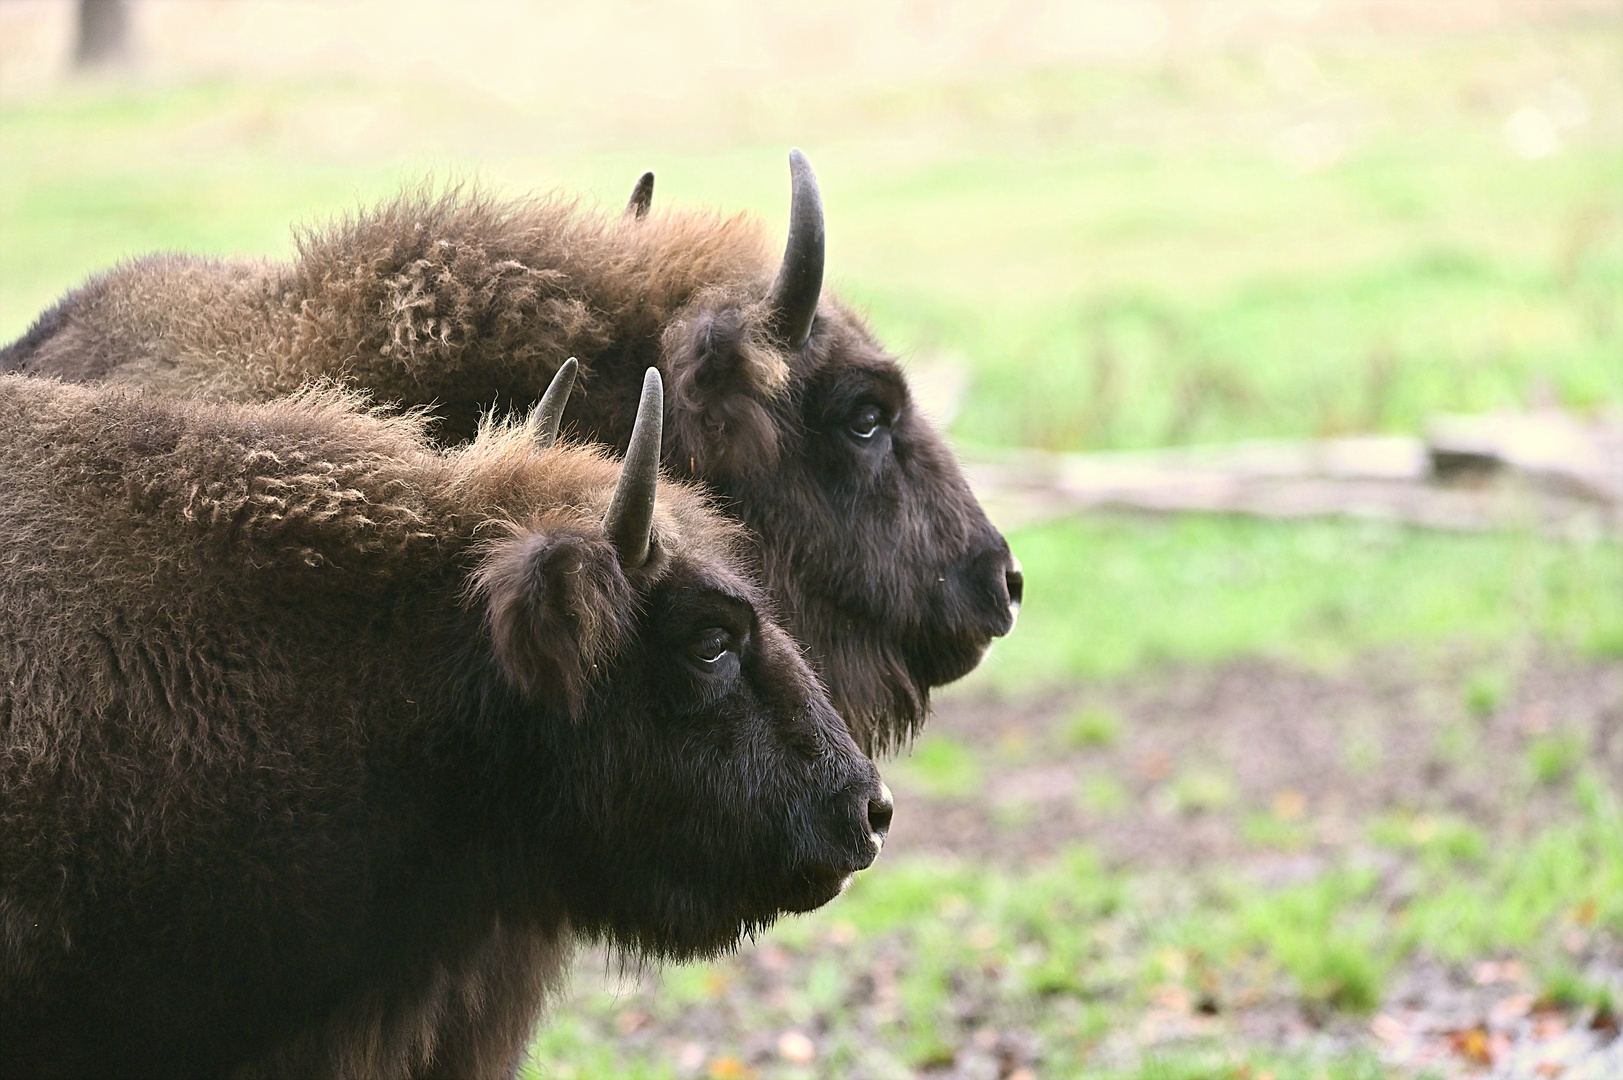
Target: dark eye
x=865 y=421
x=712 y=644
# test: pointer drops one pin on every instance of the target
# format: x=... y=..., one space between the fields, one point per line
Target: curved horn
x=630 y=519
x=642 y=196
x=800 y=278
x=546 y=417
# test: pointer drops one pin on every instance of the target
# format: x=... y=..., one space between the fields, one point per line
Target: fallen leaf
x=1472 y=1045
x=727 y=1068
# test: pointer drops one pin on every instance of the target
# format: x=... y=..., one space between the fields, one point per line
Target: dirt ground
x=1201 y=748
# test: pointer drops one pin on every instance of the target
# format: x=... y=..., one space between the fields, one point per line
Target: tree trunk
x=103 y=32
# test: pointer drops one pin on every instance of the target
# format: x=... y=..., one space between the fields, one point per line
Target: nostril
x=880 y=809
x=1015 y=578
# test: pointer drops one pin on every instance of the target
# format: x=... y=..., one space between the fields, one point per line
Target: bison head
x=691 y=779
x=886 y=566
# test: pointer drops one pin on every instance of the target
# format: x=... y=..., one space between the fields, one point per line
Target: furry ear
x=724 y=374
x=556 y=604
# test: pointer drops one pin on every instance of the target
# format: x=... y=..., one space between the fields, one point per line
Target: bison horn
x=547 y=416
x=630 y=519
x=800 y=279
x=642 y=196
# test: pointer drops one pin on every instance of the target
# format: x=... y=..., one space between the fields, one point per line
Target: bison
x=782 y=401
x=319 y=744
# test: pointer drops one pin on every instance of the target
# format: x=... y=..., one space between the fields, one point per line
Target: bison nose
x=880 y=809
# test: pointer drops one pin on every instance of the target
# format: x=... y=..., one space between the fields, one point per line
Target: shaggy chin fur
x=884 y=564
x=319 y=746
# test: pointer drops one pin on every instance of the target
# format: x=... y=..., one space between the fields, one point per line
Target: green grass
x=1269 y=831
x=942 y=767
x=1106 y=596
x=1118 y=255
x=1485 y=692
x=1103 y=794
x=1443 y=841
x=1564 y=988
x=1551 y=758
x=1092 y=726
x=1569 y=873
x=1200 y=788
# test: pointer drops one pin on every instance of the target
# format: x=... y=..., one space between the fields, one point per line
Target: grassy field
x=1238 y=245
x=1248 y=242
x=1115 y=595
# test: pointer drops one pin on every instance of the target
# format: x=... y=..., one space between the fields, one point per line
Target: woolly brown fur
x=882 y=562
x=319 y=744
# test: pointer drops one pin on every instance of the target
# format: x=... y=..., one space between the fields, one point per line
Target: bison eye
x=712 y=644
x=865 y=421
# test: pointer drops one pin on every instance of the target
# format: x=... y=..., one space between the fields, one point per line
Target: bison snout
x=995 y=584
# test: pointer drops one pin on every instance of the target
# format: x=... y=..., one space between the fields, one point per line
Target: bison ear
x=725 y=375
x=555 y=605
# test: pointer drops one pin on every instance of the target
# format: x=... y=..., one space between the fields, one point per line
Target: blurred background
x=1285 y=339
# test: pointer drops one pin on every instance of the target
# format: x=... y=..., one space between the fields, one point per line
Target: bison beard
x=781 y=401
x=319 y=746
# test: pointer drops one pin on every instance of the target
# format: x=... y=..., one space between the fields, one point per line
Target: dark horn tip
x=642 y=196
x=799 y=283
x=630 y=519
x=548 y=415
